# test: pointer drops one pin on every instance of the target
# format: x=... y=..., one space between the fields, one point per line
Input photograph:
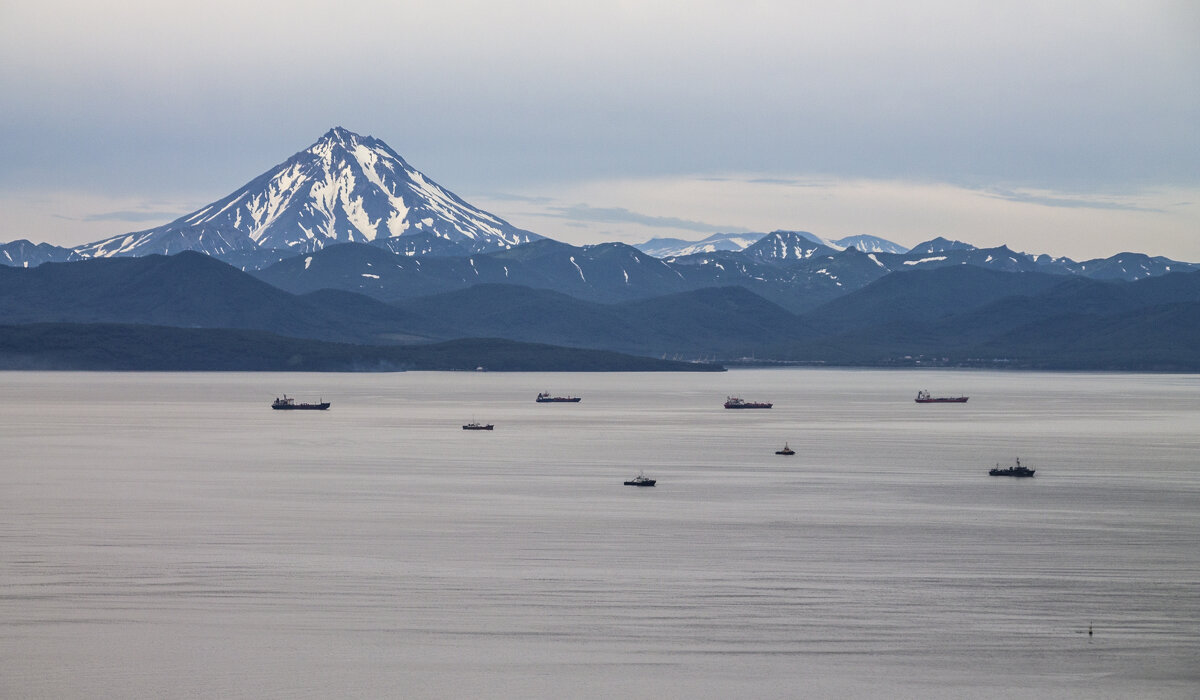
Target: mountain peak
x=340 y=136
x=787 y=235
x=941 y=245
x=344 y=188
x=339 y=132
x=782 y=246
x=871 y=244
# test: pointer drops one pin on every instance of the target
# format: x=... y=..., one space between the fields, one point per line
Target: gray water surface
x=169 y=535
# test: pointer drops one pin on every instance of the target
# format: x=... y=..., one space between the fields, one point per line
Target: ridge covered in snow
x=343 y=188
x=871 y=244
x=677 y=247
x=673 y=247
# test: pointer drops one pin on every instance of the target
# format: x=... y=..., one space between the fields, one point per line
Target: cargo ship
x=1017 y=470
x=476 y=425
x=924 y=397
x=287 y=403
x=545 y=397
x=735 y=402
x=640 y=480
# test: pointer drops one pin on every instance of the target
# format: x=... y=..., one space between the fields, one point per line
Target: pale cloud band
x=133 y=216
x=1157 y=222
x=580 y=213
x=72 y=218
x=1073 y=201
x=1163 y=221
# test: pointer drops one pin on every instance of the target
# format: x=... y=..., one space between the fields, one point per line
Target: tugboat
x=287 y=403
x=1018 y=470
x=735 y=402
x=476 y=425
x=786 y=450
x=924 y=397
x=545 y=397
x=640 y=480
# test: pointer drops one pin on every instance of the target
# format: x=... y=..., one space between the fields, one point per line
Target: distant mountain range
x=345 y=243
x=347 y=188
x=784 y=267
x=948 y=315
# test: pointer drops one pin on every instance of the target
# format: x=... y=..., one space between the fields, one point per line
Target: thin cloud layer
x=905 y=212
x=133 y=216
x=620 y=215
x=1072 y=202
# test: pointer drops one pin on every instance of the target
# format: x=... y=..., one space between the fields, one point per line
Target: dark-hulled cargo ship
x=924 y=397
x=735 y=402
x=1017 y=470
x=545 y=397
x=287 y=403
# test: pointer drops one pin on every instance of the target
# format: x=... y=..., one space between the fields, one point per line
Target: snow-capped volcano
x=343 y=188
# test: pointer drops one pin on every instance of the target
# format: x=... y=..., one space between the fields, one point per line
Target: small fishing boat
x=786 y=450
x=476 y=425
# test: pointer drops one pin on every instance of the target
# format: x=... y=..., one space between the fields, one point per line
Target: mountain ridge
x=961 y=315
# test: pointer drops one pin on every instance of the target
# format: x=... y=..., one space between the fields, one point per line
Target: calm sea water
x=169 y=535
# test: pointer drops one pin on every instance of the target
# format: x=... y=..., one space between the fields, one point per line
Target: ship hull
x=302 y=407
x=560 y=399
x=960 y=399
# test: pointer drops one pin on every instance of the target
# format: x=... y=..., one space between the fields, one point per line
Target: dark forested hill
x=158 y=348
x=192 y=290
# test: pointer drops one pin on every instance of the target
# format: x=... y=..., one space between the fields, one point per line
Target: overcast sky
x=1070 y=128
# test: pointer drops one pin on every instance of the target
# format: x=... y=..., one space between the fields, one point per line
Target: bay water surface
x=170 y=536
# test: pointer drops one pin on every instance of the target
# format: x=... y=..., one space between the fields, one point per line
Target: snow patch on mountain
x=577 y=267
